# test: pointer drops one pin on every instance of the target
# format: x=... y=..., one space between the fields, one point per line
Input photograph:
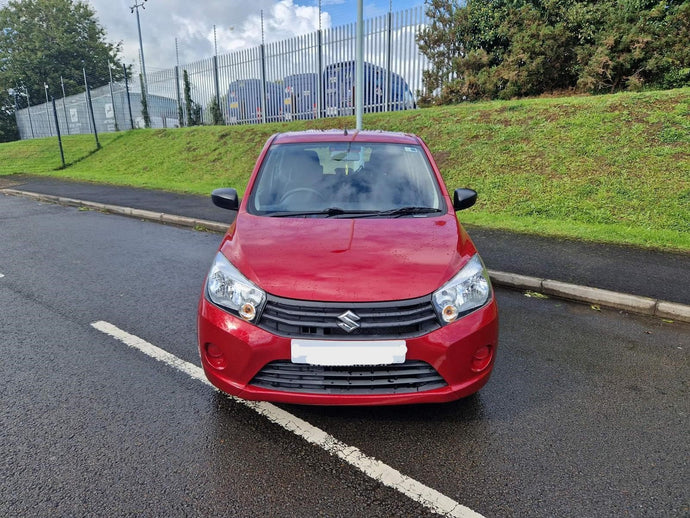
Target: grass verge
x=612 y=168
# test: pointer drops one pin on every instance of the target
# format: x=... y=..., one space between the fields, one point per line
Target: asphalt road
x=587 y=412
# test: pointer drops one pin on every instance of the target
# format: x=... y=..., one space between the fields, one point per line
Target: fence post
x=129 y=102
x=57 y=129
x=90 y=108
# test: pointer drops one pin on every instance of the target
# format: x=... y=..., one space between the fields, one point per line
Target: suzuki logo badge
x=348 y=321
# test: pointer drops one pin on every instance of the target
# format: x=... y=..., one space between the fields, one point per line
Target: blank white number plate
x=348 y=353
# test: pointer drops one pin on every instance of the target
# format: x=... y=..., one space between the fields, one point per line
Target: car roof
x=346 y=136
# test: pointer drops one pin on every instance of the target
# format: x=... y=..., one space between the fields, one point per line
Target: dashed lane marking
x=377 y=470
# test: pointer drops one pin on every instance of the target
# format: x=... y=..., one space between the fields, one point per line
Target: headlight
x=468 y=290
x=228 y=288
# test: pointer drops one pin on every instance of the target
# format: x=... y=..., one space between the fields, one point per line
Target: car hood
x=348 y=260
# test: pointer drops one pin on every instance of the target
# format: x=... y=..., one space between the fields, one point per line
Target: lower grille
x=403 y=378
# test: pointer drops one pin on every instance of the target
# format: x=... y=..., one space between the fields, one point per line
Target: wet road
x=587 y=412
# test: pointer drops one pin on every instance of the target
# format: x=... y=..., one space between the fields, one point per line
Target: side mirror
x=464 y=199
x=225 y=198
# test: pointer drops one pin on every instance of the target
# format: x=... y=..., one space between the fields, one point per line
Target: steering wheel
x=298 y=190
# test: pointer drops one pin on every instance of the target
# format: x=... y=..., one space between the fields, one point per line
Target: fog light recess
x=214 y=356
x=482 y=358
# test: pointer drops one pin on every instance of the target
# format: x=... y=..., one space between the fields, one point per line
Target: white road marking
x=386 y=475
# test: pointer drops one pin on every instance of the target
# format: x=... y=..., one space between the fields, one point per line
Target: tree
x=144 y=103
x=641 y=43
x=44 y=40
x=8 y=125
x=511 y=48
x=193 y=108
x=216 y=114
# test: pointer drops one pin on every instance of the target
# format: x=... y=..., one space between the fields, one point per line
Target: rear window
x=349 y=176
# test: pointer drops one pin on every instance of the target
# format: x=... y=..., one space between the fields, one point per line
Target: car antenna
x=345 y=131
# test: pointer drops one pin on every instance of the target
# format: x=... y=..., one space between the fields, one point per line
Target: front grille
x=403 y=378
x=318 y=320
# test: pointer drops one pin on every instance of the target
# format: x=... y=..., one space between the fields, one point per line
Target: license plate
x=348 y=353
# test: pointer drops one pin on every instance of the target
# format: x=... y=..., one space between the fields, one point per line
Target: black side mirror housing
x=464 y=199
x=225 y=198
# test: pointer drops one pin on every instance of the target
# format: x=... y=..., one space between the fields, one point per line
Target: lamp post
x=134 y=8
x=359 y=67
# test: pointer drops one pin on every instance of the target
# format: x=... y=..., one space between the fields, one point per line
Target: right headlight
x=468 y=290
x=228 y=288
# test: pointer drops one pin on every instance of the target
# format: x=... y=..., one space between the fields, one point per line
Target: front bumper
x=242 y=350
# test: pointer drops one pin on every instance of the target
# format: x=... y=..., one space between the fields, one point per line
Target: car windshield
x=346 y=179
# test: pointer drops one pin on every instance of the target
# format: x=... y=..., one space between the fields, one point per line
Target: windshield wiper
x=328 y=213
x=408 y=211
x=356 y=213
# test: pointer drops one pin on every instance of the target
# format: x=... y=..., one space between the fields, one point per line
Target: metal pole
x=64 y=108
x=136 y=7
x=216 y=82
x=388 y=63
x=57 y=128
x=319 y=75
x=129 y=102
x=90 y=107
x=112 y=96
x=180 y=111
x=359 y=74
x=13 y=93
x=263 y=72
x=50 y=129
x=28 y=103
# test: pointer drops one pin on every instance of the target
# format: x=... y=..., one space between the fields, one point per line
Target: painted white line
x=386 y=475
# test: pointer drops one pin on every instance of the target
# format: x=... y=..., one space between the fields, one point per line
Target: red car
x=346 y=278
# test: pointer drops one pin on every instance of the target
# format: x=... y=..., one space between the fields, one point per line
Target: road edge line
x=375 y=469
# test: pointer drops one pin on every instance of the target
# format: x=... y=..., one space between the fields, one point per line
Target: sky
x=238 y=24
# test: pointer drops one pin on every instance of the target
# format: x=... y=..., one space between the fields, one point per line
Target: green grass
x=612 y=168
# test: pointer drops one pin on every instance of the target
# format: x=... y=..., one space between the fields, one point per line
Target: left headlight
x=468 y=290
x=228 y=288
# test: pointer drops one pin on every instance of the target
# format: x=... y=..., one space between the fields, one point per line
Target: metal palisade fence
x=306 y=77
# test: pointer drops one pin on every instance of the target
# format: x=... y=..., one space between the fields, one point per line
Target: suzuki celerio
x=346 y=278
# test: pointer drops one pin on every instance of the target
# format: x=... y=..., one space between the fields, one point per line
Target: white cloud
x=238 y=26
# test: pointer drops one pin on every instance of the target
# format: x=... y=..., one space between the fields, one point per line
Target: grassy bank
x=608 y=168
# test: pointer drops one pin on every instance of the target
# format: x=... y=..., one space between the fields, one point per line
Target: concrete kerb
x=586 y=294
x=589 y=295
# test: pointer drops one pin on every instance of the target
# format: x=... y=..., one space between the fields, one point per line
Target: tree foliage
x=216 y=113
x=42 y=41
x=193 y=108
x=144 y=103
x=511 y=48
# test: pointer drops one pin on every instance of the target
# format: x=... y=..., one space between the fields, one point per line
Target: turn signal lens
x=248 y=312
x=450 y=313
